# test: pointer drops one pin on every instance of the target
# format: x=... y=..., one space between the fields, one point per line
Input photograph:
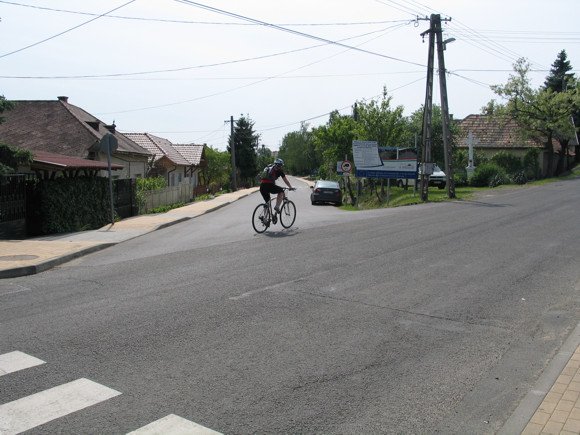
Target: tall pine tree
x=246 y=146
x=559 y=78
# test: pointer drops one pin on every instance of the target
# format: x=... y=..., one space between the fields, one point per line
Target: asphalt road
x=435 y=318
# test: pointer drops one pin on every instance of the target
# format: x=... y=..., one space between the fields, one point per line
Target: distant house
x=172 y=161
x=55 y=127
x=492 y=135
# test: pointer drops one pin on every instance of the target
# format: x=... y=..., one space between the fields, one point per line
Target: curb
x=49 y=264
x=518 y=420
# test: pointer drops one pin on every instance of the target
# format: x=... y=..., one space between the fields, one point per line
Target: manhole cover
x=17 y=257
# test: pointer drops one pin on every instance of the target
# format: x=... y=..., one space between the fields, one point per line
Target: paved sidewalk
x=551 y=407
x=30 y=256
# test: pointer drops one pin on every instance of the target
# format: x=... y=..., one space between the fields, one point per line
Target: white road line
x=13 y=361
x=173 y=425
x=36 y=409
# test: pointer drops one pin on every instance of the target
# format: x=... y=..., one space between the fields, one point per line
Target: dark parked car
x=326 y=191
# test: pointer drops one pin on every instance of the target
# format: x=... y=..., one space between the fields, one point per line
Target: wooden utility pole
x=444 y=109
x=233 y=152
x=426 y=163
x=435 y=32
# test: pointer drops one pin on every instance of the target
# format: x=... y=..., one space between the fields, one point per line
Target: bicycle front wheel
x=288 y=214
x=261 y=218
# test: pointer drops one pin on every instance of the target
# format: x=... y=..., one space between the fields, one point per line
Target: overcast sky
x=179 y=69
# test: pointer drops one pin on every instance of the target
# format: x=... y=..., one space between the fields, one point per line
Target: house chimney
x=111 y=127
x=63 y=99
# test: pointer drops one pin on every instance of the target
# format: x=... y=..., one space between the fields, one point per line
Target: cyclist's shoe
x=274 y=219
x=276 y=209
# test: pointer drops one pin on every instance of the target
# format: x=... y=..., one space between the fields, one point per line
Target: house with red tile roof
x=172 y=161
x=60 y=129
x=493 y=134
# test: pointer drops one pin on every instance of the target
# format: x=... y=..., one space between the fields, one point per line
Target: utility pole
x=233 y=152
x=435 y=32
x=426 y=163
x=444 y=109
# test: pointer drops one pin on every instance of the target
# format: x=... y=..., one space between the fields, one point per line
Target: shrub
x=498 y=179
x=531 y=165
x=507 y=161
x=519 y=177
x=489 y=174
x=460 y=178
x=153 y=183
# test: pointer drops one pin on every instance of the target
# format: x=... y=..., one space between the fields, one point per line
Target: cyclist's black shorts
x=269 y=188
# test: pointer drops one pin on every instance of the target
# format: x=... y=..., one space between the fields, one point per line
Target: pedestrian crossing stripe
x=40 y=408
x=14 y=361
x=173 y=425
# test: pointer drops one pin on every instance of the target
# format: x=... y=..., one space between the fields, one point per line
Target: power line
x=400 y=7
x=233 y=89
x=480 y=41
x=338 y=110
x=180 y=69
x=66 y=31
x=287 y=30
x=162 y=20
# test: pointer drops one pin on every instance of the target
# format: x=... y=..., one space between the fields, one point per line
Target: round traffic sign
x=346 y=166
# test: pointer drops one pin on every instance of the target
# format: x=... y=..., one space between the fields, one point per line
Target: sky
x=181 y=69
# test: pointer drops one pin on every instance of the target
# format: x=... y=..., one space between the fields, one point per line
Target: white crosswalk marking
x=13 y=361
x=173 y=425
x=36 y=409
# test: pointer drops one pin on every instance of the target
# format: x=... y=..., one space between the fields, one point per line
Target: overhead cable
x=66 y=31
x=292 y=31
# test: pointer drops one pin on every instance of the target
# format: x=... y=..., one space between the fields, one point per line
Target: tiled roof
x=491 y=132
x=159 y=146
x=192 y=152
x=57 y=127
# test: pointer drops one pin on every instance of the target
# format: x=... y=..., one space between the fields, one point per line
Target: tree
x=4 y=106
x=379 y=122
x=333 y=141
x=559 y=78
x=11 y=158
x=299 y=151
x=216 y=174
x=264 y=157
x=543 y=114
x=246 y=145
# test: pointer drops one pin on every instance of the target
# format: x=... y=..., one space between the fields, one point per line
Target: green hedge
x=73 y=204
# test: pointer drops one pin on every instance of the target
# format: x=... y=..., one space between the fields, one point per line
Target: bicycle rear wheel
x=261 y=218
x=288 y=214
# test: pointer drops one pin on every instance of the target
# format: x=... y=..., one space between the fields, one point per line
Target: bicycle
x=264 y=214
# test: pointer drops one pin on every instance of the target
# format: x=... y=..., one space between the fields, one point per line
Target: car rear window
x=327 y=184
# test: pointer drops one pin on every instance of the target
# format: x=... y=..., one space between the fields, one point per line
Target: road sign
x=109 y=143
x=346 y=166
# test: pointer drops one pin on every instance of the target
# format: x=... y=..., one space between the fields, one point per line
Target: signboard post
x=108 y=144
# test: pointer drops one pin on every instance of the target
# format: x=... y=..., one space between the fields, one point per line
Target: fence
x=166 y=196
x=13 y=206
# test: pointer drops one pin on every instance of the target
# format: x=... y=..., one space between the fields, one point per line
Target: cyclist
x=268 y=183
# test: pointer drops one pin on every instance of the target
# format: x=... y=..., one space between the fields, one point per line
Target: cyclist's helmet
x=279 y=162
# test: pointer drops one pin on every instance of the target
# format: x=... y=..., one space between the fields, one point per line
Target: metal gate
x=125 y=197
x=13 y=205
